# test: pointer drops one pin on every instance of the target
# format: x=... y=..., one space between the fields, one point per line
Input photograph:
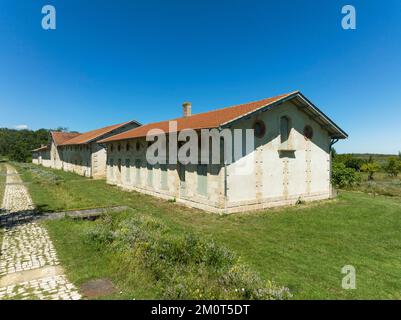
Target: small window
x=111 y=168
x=308 y=132
x=119 y=147
x=127 y=171
x=138 y=164
x=259 y=128
x=127 y=146
x=138 y=146
x=284 y=130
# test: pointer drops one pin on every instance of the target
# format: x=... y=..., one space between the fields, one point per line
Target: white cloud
x=21 y=127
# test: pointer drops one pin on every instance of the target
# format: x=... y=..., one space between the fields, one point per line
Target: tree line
x=16 y=145
x=347 y=166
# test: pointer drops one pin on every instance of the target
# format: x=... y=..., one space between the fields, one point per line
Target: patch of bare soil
x=97 y=288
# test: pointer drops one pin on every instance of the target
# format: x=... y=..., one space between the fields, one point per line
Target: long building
x=290 y=160
x=79 y=152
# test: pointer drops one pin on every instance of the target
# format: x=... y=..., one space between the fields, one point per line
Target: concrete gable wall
x=277 y=176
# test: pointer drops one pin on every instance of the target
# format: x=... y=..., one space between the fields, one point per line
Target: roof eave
x=100 y=136
x=336 y=133
x=126 y=123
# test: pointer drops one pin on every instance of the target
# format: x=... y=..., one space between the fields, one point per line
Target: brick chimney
x=186 y=106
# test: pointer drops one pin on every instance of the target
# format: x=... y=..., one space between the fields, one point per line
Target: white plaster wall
x=55 y=161
x=190 y=196
x=35 y=157
x=283 y=176
x=77 y=159
x=98 y=160
x=45 y=158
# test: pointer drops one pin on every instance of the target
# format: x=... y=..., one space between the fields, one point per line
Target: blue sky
x=111 y=61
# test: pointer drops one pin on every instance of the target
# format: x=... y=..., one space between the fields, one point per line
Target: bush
x=393 y=166
x=183 y=265
x=350 y=161
x=343 y=177
x=371 y=168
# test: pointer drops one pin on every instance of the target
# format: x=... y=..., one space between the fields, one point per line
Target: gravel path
x=28 y=260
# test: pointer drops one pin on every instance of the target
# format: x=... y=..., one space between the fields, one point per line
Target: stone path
x=29 y=268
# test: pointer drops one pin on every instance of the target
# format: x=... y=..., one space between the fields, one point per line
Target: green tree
x=371 y=168
x=350 y=161
x=16 y=145
x=343 y=177
x=354 y=163
x=393 y=166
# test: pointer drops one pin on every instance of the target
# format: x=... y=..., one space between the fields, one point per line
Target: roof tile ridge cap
x=284 y=95
x=275 y=99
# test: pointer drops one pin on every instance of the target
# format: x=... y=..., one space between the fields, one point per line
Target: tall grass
x=181 y=266
x=382 y=184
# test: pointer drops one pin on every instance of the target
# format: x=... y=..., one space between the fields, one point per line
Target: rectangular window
x=138 y=171
x=111 y=173
x=127 y=171
x=163 y=176
x=202 y=179
x=284 y=131
x=150 y=174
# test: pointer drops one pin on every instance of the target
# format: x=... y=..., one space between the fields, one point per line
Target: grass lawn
x=302 y=247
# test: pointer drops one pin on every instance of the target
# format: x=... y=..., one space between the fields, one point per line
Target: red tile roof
x=206 y=120
x=92 y=135
x=60 y=137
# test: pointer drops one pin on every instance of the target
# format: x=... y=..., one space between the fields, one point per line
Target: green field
x=302 y=247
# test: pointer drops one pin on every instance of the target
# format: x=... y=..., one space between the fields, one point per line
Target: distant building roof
x=40 y=149
x=222 y=117
x=60 y=137
x=89 y=136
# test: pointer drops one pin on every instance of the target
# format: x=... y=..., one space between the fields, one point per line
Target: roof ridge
x=236 y=105
x=97 y=133
x=207 y=119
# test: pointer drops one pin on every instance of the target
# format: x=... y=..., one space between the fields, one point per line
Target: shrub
x=99 y=235
x=371 y=168
x=343 y=177
x=183 y=265
x=350 y=161
x=393 y=166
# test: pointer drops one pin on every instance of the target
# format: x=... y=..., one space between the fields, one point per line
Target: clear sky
x=111 y=61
